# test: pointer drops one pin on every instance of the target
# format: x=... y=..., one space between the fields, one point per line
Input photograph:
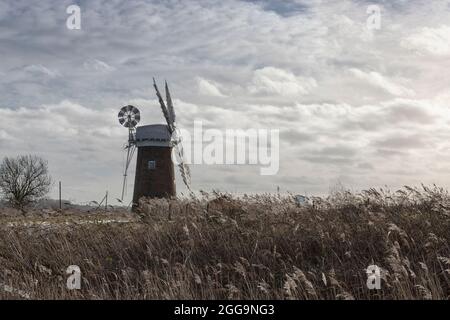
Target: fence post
x=60 y=201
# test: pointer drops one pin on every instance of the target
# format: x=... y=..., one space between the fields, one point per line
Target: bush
x=24 y=179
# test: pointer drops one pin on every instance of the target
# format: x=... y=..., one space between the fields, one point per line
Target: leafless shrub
x=24 y=179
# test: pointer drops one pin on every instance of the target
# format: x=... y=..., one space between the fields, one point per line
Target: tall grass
x=252 y=247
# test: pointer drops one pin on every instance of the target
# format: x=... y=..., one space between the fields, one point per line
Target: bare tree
x=24 y=179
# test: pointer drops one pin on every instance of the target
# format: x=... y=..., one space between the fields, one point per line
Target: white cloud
x=208 y=88
x=97 y=65
x=434 y=41
x=378 y=80
x=39 y=70
x=271 y=80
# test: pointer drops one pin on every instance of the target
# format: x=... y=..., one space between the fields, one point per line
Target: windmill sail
x=185 y=172
x=163 y=108
x=170 y=106
x=169 y=115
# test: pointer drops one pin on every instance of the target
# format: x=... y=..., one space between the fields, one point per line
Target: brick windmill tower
x=155 y=143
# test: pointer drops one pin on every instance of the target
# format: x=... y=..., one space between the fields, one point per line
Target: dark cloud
x=388 y=153
x=297 y=137
x=403 y=143
x=283 y=8
x=328 y=160
x=365 y=166
x=410 y=113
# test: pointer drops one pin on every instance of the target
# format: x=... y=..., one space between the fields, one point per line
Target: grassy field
x=220 y=247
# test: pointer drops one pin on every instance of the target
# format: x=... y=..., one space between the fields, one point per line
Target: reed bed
x=219 y=246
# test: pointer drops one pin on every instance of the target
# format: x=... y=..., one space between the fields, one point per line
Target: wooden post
x=60 y=201
x=106 y=202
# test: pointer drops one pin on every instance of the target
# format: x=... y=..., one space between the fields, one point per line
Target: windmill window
x=152 y=165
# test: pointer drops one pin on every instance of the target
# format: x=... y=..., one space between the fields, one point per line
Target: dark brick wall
x=158 y=183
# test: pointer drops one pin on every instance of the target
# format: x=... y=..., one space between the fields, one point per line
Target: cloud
x=403 y=142
x=365 y=166
x=271 y=80
x=96 y=65
x=378 y=80
x=430 y=41
x=345 y=98
x=208 y=88
x=40 y=70
x=81 y=144
x=409 y=112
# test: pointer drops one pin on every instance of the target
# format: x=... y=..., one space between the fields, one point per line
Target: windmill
x=129 y=116
x=155 y=174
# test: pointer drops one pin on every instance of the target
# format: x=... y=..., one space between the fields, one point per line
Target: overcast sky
x=365 y=108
